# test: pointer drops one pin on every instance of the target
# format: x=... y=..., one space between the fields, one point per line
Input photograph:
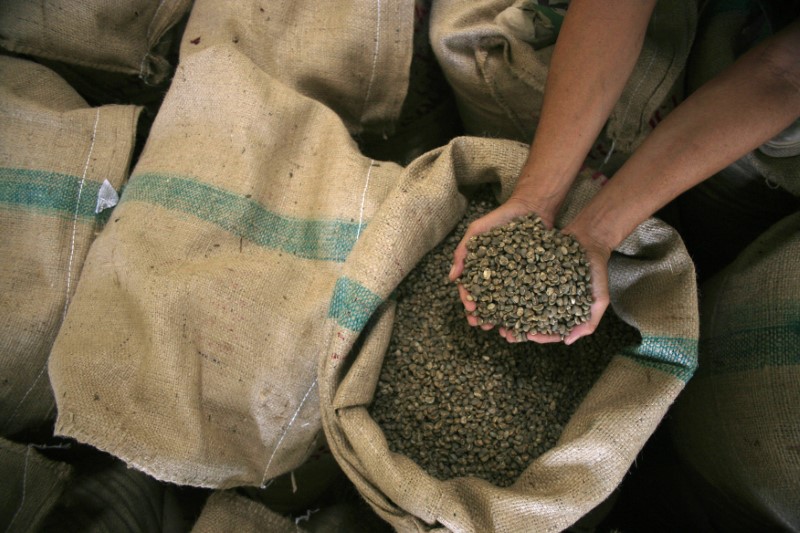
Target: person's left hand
x=598 y=256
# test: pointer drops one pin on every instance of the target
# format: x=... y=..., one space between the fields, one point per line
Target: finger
x=459 y=255
x=469 y=305
x=483 y=224
x=599 y=275
x=472 y=320
x=597 y=310
x=543 y=338
x=579 y=331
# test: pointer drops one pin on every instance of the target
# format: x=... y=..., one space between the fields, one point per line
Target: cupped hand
x=598 y=256
x=508 y=211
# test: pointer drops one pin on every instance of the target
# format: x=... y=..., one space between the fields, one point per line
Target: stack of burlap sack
x=63 y=162
x=738 y=423
x=212 y=308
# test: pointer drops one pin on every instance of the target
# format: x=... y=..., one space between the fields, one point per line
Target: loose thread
x=77 y=211
x=24 y=491
x=150 y=41
x=374 y=60
x=610 y=151
x=305 y=517
x=285 y=431
x=363 y=199
x=71 y=257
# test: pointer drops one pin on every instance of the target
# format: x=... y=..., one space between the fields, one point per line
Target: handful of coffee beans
x=527 y=278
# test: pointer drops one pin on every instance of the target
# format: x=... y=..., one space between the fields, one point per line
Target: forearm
x=731 y=115
x=596 y=50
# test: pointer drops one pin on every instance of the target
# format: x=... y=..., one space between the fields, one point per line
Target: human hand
x=511 y=209
x=597 y=255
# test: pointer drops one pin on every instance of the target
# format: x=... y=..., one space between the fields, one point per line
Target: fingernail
x=452 y=271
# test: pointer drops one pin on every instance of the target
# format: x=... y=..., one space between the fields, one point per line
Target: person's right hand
x=511 y=209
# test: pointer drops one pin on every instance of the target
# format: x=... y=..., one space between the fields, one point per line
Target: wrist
x=541 y=195
x=596 y=233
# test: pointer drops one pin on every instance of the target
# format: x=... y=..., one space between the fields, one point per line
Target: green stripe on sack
x=752 y=349
x=673 y=355
x=326 y=240
x=352 y=304
x=50 y=193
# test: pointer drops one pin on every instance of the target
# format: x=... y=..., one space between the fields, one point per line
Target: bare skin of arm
x=731 y=115
x=596 y=50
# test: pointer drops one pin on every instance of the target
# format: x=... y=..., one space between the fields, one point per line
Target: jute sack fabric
x=32 y=484
x=490 y=53
x=102 y=34
x=214 y=277
x=104 y=495
x=652 y=288
x=55 y=154
x=352 y=56
x=778 y=171
x=738 y=421
x=229 y=511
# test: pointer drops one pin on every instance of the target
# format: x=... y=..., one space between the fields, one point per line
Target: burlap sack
x=228 y=511
x=492 y=56
x=102 y=34
x=738 y=422
x=31 y=486
x=215 y=273
x=428 y=118
x=351 y=56
x=652 y=288
x=104 y=495
x=55 y=154
x=781 y=172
